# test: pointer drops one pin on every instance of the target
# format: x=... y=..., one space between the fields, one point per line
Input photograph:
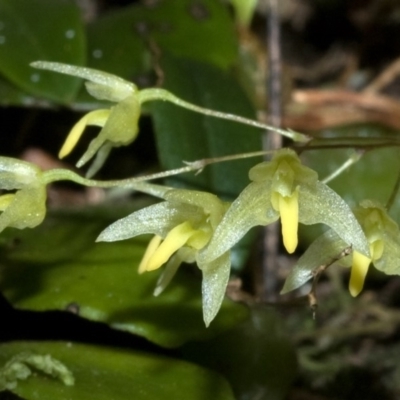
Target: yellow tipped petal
x=151 y=248
x=175 y=239
x=289 y=211
x=6 y=200
x=359 y=271
x=97 y=118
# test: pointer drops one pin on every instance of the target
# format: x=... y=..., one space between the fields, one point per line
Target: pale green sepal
x=120 y=129
x=322 y=251
x=99 y=159
x=209 y=203
x=320 y=204
x=15 y=174
x=215 y=280
x=252 y=207
x=22 y=365
x=267 y=169
x=389 y=263
x=185 y=254
x=158 y=219
x=118 y=88
x=102 y=92
x=27 y=209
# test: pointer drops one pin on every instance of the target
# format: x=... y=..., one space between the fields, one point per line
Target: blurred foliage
x=98 y=373
x=119 y=296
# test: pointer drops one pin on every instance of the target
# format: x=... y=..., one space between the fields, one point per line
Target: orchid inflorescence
x=191 y=226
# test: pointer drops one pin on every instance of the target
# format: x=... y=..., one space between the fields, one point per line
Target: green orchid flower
x=183 y=225
x=24 y=203
x=284 y=188
x=383 y=236
x=120 y=123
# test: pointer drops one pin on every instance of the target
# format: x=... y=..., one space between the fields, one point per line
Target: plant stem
x=162 y=94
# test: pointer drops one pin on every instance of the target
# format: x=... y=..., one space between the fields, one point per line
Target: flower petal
x=252 y=207
x=16 y=174
x=358 y=273
x=389 y=261
x=151 y=248
x=289 y=211
x=320 y=204
x=120 y=129
x=99 y=159
x=184 y=254
x=158 y=219
x=215 y=280
x=175 y=239
x=97 y=118
x=209 y=203
x=320 y=252
x=27 y=209
x=118 y=88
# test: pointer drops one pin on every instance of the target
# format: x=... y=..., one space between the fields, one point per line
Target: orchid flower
x=383 y=236
x=284 y=188
x=24 y=203
x=120 y=123
x=182 y=226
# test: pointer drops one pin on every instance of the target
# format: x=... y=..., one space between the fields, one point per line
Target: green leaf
x=256 y=357
x=105 y=373
x=120 y=41
x=11 y=95
x=41 y=30
x=103 y=279
x=186 y=136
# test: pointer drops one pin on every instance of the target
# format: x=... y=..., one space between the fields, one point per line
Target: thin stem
x=139 y=183
x=355 y=157
x=267 y=287
x=393 y=195
x=164 y=95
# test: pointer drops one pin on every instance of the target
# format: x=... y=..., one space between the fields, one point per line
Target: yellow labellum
x=97 y=118
x=359 y=271
x=176 y=238
x=151 y=248
x=289 y=211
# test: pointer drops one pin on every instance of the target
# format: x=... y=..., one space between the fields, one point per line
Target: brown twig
x=317 y=272
x=319 y=109
x=389 y=74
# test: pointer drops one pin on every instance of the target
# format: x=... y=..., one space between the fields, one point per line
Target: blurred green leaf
x=41 y=30
x=183 y=135
x=38 y=273
x=256 y=357
x=11 y=95
x=106 y=373
x=120 y=41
